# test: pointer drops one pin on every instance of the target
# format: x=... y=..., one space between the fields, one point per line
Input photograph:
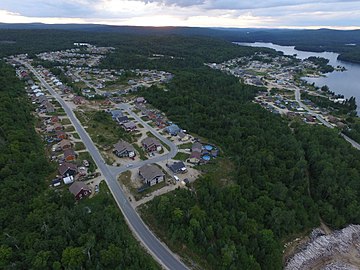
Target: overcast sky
x=342 y=14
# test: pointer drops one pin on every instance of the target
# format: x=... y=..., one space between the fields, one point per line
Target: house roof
x=177 y=166
x=122 y=118
x=195 y=154
x=130 y=125
x=76 y=187
x=60 y=132
x=173 y=129
x=149 y=141
x=56 y=125
x=116 y=113
x=150 y=171
x=122 y=146
x=69 y=152
x=197 y=147
x=64 y=143
x=66 y=166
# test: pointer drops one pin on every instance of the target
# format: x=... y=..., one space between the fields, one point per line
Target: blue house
x=173 y=129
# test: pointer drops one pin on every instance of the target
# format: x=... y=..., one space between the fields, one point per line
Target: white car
x=129 y=165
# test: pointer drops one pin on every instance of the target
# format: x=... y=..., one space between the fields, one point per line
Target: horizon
x=272 y=14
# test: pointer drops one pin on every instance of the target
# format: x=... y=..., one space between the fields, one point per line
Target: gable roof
x=130 y=125
x=122 y=146
x=66 y=166
x=150 y=171
x=76 y=187
x=177 y=166
x=64 y=143
x=149 y=141
x=197 y=147
x=69 y=152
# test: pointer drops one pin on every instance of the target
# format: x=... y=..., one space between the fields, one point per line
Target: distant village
x=279 y=77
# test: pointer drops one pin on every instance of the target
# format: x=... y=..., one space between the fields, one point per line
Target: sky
x=312 y=14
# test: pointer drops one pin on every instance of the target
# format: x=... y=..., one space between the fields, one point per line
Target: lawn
x=65 y=121
x=141 y=152
x=185 y=145
x=102 y=129
x=79 y=146
x=88 y=157
x=76 y=136
x=181 y=156
x=69 y=129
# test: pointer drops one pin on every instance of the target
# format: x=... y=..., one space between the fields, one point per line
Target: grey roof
x=196 y=147
x=150 y=171
x=149 y=141
x=130 y=125
x=122 y=119
x=122 y=146
x=65 y=166
x=76 y=187
x=177 y=166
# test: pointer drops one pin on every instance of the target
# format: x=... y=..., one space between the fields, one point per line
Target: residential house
x=58 y=126
x=151 y=144
x=196 y=147
x=80 y=190
x=49 y=107
x=67 y=169
x=173 y=129
x=69 y=154
x=54 y=119
x=61 y=135
x=151 y=174
x=65 y=144
x=124 y=149
x=78 y=100
x=178 y=167
x=50 y=129
x=116 y=113
x=129 y=126
x=183 y=137
x=122 y=119
x=195 y=157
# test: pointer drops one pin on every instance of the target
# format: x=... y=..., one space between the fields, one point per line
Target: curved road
x=157 y=249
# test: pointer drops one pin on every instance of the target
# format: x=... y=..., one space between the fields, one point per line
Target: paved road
x=322 y=120
x=173 y=148
x=157 y=249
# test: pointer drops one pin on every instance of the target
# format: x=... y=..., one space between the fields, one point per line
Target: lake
x=346 y=83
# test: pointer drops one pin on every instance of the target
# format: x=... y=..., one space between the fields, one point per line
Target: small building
x=69 y=155
x=67 y=169
x=80 y=190
x=140 y=100
x=173 y=129
x=151 y=144
x=65 y=144
x=124 y=149
x=68 y=180
x=129 y=126
x=178 y=167
x=151 y=174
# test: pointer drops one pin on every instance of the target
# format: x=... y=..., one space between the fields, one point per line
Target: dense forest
x=14 y=38
x=44 y=229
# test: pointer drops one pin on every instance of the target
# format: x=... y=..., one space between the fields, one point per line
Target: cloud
x=225 y=13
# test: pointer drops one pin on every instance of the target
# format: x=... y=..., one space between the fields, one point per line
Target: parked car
x=97 y=188
x=129 y=165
